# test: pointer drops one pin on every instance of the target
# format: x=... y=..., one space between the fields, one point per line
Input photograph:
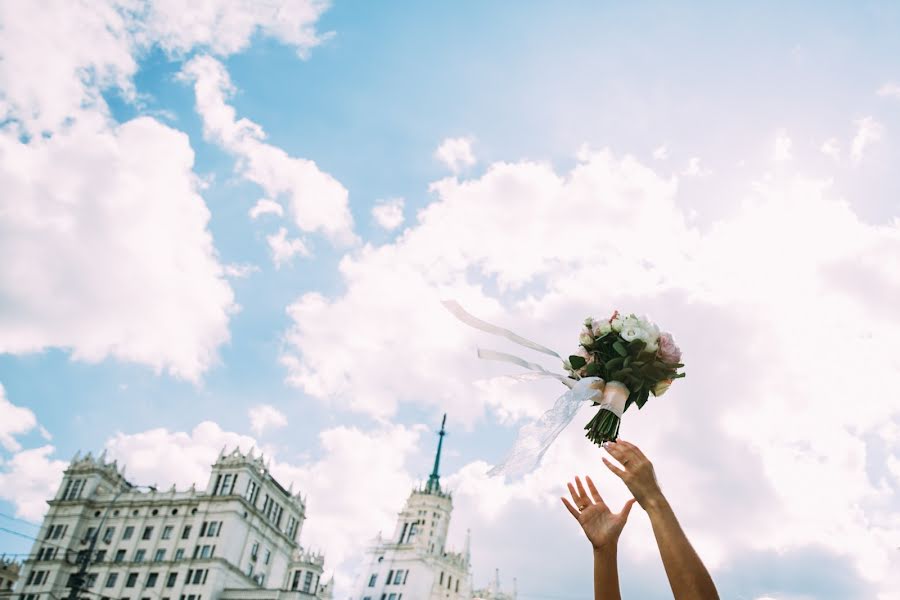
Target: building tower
x=414 y=562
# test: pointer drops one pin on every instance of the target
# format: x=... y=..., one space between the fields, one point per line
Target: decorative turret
x=434 y=480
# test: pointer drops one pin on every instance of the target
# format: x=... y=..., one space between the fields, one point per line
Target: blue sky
x=692 y=102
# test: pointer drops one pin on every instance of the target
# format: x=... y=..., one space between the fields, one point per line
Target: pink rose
x=668 y=351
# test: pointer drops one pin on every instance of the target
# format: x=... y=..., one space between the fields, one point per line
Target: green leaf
x=637 y=346
x=614 y=364
x=627 y=361
x=592 y=370
x=642 y=398
x=577 y=361
x=620 y=348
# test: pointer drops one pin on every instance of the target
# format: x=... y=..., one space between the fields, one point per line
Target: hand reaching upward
x=601 y=526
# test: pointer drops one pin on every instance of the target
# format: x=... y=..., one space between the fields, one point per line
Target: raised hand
x=637 y=472
x=601 y=526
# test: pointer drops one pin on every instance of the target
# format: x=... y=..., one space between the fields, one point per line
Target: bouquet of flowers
x=633 y=358
x=620 y=362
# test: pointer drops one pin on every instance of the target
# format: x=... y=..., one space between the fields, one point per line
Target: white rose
x=652 y=346
x=631 y=322
x=601 y=328
x=618 y=323
x=630 y=334
x=586 y=339
x=588 y=321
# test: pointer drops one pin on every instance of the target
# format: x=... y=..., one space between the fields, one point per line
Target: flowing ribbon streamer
x=535 y=438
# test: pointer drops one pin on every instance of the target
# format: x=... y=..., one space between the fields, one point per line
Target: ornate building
x=414 y=562
x=104 y=538
x=9 y=574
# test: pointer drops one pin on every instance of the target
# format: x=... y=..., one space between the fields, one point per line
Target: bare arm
x=687 y=575
x=602 y=528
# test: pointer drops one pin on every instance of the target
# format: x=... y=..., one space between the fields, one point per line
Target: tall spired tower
x=414 y=562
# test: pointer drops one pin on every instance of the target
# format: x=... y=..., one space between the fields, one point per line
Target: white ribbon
x=534 y=438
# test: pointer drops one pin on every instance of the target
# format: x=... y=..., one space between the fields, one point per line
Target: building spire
x=434 y=480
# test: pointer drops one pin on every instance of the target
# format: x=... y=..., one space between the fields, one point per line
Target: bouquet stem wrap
x=534 y=439
x=605 y=424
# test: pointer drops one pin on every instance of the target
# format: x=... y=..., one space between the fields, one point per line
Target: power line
x=12 y=518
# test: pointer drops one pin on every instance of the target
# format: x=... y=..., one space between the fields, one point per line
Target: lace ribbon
x=533 y=439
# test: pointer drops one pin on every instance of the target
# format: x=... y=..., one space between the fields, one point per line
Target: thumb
x=626 y=510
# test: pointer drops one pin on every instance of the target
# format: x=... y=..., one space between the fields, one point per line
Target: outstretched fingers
x=594 y=493
x=575 y=497
x=619 y=472
x=570 y=507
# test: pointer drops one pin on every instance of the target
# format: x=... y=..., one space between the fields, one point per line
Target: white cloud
x=227 y=26
x=29 y=479
x=388 y=213
x=782 y=150
x=265 y=416
x=318 y=201
x=661 y=153
x=264 y=206
x=113 y=255
x=868 y=131
x=283 y=249
x=456 y=153
x=45 y=83
x=695 y=168
x=890 y=89
x=164 y=458
x=775 y=484
x=240 y=271
x=14 y=420
x=831 y=147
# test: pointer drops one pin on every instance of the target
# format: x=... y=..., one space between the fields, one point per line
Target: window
x=179 y=554
x=186 y=532
x=296 y=582
x=120 y=556
x=405 y=575
x=73 y=489
x=139 y=555
x=392 y=597
x=225 y=487
x=398 y=577
x=90 y=581
x=203 y=528
x=101 y=556
x=267 y=556
x=132 y=579
x=111 y=579
x=129 y=531
x=148 y=531
x=167 y=532
x=254 y=551
x=457 y=586
x=108 y=534
x=307 y=581
x=441 y=582
x=373 y=579
x=160 y=555
x=413 y=528
x=390 y=575
x=205 y=552
x=252 y=492
x=171 y=580
x=151 y=579
x=89 y=534
x=291 y=527
x=449 y=581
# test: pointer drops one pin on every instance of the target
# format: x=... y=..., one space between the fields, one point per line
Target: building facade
x=414 y=564
x=238 y=539
x=493 y=591
x=9 y=574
